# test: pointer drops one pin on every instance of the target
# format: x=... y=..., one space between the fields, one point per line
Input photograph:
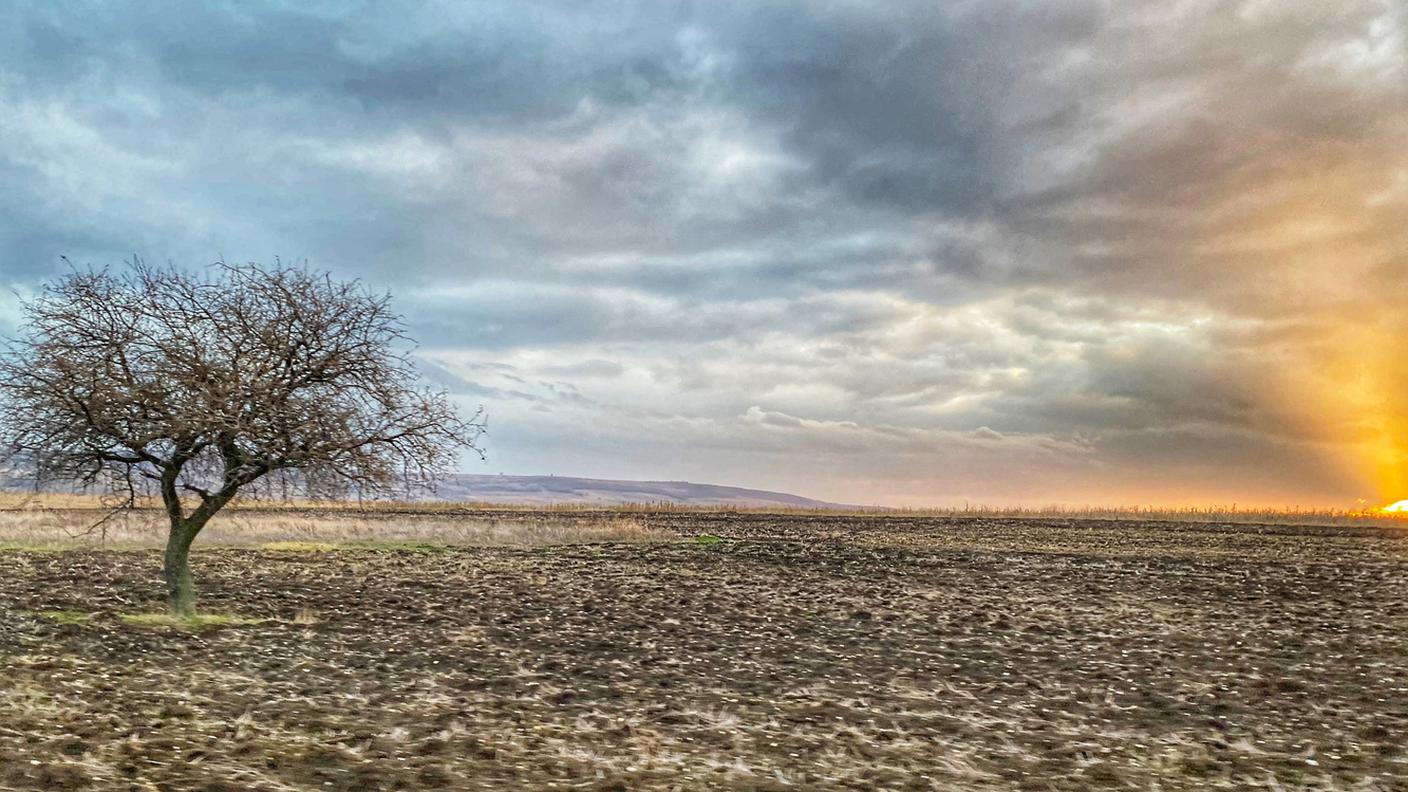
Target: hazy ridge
x=554 y=490
x=547 y=490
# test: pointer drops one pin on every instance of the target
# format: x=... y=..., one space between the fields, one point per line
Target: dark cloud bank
x=871 y=252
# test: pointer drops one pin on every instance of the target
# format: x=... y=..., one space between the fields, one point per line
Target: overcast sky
x=873 y=252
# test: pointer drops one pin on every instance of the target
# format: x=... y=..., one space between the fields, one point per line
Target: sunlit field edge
x=149 y=509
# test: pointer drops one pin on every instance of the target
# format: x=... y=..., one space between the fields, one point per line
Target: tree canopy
x=236 y=380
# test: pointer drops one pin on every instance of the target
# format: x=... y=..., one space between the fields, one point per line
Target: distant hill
x=547 y=490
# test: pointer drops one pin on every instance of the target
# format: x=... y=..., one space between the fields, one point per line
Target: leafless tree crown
x=240 y=379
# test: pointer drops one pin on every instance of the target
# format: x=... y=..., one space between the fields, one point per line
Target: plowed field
x=793 y=653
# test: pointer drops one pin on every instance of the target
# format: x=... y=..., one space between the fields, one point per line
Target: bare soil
x=799 y=652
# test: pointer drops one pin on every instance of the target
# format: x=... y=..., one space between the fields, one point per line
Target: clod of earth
x=816 y=654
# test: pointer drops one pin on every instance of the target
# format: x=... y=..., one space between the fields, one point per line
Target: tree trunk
x=180 y=587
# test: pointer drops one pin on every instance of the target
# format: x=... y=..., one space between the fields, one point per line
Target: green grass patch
x=78 y=546
x=36 y=547
x=298 y=547
x=708 y=540
x=195 y=622
x=64 y=616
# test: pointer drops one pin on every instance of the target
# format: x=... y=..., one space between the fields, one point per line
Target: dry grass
x=98 y=505
x=59 y=529
x=40 y=501
x=1191 y=514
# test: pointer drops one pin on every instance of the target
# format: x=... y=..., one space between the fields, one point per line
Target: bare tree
x=235 y=381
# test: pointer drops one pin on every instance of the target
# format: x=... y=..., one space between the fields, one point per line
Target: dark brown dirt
x=802 y=653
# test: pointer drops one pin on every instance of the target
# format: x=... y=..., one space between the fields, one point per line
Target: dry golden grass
x=38 y=501
x=56 y=519
x=314 y=529
x=1190 y=514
